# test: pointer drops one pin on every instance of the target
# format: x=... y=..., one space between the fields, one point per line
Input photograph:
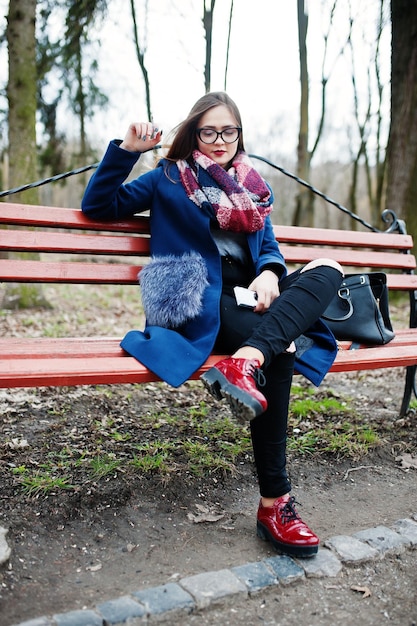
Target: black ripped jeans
x=303 y=299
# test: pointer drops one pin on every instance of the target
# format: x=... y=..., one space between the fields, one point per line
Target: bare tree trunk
x=402 y=144
x=380 y=151
x=303 y=215
x=208 y=29
x=78 y=78
x=304 y=210
x=140 y=55
x=373 y=174
x=21 y=95
x=229 y=31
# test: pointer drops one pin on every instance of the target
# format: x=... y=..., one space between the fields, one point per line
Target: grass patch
x=306 y=402
x=103 y=465
x=184 y=436
x=41 y=483
x=321 y=424
x=348 y=440
x=342 y=439
x=156 y=457
x=202 y=459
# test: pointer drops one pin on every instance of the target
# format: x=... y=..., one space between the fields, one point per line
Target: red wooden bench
x=33 y=362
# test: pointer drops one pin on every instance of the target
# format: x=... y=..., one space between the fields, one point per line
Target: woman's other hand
x=266 y=286
x=141 y=136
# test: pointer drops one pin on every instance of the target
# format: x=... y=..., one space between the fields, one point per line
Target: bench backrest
x=76 y=249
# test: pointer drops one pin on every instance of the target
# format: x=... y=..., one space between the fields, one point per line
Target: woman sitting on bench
x=210 y=232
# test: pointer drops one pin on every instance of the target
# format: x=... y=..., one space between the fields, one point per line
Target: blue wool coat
x=178 y=226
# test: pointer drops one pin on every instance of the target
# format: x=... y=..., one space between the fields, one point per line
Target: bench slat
x=62 y=347
x=75 y=243
x=78 y=371
x=72 y=371
x=349 y=238
x=59 y=348
x=16 y=270
x=353 y=258
x=379 y=357
x=57 y=217
x=402 y=282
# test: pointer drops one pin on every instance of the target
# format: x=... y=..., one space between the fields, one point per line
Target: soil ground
x=121 y=531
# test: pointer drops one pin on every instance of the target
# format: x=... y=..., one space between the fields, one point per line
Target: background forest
x=327 y=90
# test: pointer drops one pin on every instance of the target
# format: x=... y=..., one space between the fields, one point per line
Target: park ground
x=107 y=490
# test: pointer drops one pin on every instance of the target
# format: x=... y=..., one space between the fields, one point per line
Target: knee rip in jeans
x=323 y=262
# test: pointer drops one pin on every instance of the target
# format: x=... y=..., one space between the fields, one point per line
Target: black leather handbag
x=360 y=311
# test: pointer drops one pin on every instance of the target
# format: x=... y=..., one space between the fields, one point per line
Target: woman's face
x=218 y=118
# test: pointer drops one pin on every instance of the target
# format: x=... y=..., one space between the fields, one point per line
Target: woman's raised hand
x=141 y=136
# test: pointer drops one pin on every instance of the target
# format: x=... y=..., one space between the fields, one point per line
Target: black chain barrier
x=387 y=216
x=51 y=179
x=316 y=191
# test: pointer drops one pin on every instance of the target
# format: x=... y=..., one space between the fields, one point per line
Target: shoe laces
x=288 y=511
x=256 y=373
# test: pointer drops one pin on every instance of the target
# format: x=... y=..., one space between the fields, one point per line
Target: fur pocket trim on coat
x=172 y=289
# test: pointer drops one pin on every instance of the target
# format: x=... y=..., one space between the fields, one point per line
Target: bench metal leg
x=410 y=387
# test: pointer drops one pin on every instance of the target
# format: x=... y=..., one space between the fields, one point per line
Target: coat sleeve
x=268 y=251
x=107 y=197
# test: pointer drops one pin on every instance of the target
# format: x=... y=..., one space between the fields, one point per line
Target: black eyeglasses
x=228 y=135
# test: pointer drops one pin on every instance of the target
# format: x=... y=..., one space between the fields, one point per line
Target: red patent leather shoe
x=282 y=526
x=235 y=380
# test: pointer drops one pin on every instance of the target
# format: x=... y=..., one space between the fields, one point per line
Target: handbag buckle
x=344 y=293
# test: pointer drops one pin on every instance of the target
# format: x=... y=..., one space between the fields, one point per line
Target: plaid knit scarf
x=240 y=198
